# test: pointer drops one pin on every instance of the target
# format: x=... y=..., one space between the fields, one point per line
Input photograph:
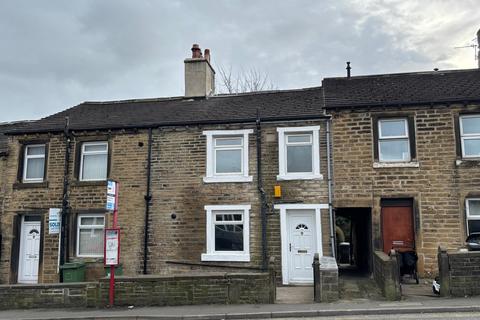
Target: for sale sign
x=112 y=247
x=54 y=221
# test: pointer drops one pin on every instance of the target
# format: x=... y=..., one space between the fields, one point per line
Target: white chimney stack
x=199 y=74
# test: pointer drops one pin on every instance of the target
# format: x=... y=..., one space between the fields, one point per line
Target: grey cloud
x=55 y=54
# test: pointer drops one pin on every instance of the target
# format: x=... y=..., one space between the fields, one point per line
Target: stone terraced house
x=224 y=182
x=197 y=176
x=406 y=159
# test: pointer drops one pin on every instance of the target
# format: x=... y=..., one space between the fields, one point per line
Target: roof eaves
x=389 y=75
x=168 y=124
x=406 y=103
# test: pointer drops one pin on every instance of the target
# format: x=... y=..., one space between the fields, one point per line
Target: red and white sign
x=112 y=247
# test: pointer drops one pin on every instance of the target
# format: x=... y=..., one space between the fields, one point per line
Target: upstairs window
x=227 y=156
x=298 y=153
x=393 y=140
x=470 y=136
x=90 y=235
x=473 y=215
x=34 y=163
x=94 y=161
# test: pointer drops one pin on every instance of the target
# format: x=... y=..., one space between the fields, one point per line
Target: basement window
x=298 y=153
x=227 y=233
x=393 y=140
x=470 y=136
x=34 y=163
x=473 y=215
x=90 y=235
x=227 y=156
x=94 y=161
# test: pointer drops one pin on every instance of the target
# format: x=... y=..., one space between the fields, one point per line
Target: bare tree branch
x=251 y=80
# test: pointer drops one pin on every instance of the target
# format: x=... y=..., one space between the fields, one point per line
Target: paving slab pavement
x=255 y=311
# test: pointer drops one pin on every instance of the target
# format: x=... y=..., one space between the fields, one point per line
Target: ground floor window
x=227 y=233
x=90 y=235
x=473 y=215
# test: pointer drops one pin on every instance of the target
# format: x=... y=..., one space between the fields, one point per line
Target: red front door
x=397 y=228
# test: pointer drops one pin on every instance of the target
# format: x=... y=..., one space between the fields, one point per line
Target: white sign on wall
x=54 y=221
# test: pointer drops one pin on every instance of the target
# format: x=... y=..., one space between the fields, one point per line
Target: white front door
x=301 y=244
x=29 y=250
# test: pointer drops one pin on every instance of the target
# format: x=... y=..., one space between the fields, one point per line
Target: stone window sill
x=28 y=185
x=220 y=179
x=468 y=162
x=88 y=183
x=239 y=257
x=411 y=164
x=306 y=176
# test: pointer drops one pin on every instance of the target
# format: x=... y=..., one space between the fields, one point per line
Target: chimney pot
x=207 y=54
x=196 y=51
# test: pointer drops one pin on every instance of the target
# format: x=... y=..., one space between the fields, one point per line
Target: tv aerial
x=473 y=45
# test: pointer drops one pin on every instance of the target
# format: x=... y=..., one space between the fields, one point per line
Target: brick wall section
x=386 y=275
x=128 y=166
x=463 y=274
x=439 y=186
x=48 y=296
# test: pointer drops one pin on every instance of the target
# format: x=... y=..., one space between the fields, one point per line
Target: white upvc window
x=470 y=136
x=473 y=215
x=228 y=233
x=34 y=163
x=90 y=235
x=94 y=161
x=298 y=153
x=227 y=156
x=393 y=140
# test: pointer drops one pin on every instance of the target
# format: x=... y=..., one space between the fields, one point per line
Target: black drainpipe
x=263 y=200
x=148 y=198
x=65 y=204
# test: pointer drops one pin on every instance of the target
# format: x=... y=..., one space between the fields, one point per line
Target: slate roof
x=295 y=104
x=7 y=126
x=403 y=89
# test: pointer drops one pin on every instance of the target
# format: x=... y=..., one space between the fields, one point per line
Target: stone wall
x=459 y=273
x=438 y=185
x=325 y=279
x=65 y=295
x=213 y=288
x=386 y=274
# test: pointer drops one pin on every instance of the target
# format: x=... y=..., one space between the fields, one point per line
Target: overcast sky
x=56 y=54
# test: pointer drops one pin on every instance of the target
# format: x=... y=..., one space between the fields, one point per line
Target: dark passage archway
x=354 y=239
